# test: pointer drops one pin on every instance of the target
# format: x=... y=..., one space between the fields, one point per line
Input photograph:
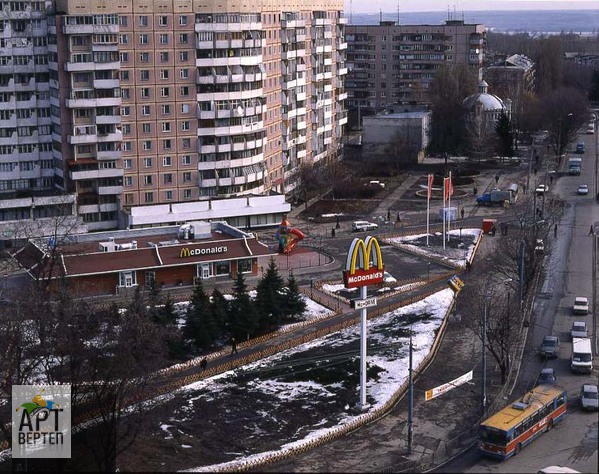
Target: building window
x=146 y=127
x=164 y=74
x=163 y=21
x=167 y=161
x=124 y=57
x=145 y=110
x=145 y=92
x=148 y=162
x=126 y=111
x=164 y=91
x=127 y=163
x=148 y=179
x=184 y=108
x=222 y=268
x=166 y=144
x=126 y=129
x=150 y=279
x=125 y=93
x=187 y=194
x=187 y=177
x=186 y=143
x=168 y=195
x=166 y=127
x=147 y=145
x=184 y=91
x=127 y=146
x=163 y=38
x=144 y=57
x=127 y=279
x=143 y=20
x=144 y=74
x=129 y=198
x=184 y=74
x=166 y=109
x=244 y=266
x=149 y=197
x=183 y=56
x=143 y=38
x=123 y=21
x=186 y=160
x=183 y=38
x=168 y=178
x=124 y=75
x=183 y=20
x=128 y=180
x=164 y=56
x=124 y=39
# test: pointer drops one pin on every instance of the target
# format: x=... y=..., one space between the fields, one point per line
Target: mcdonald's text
x=362 y=277
x=187 y=252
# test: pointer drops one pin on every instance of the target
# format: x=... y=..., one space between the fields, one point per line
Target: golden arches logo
x=185 y=252
x=364 y=264
x=359 y=255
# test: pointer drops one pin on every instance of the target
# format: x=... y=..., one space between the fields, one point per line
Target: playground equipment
x=287 y=236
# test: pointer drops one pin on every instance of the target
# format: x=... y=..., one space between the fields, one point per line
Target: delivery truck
x=574 y=166
x=495 y=197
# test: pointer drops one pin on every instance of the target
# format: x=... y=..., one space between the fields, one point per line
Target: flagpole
x=428 y=206
x=444 y=211
x=449 y=192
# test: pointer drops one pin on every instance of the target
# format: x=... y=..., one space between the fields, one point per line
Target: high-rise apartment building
x=393 y=64
x=145 y=102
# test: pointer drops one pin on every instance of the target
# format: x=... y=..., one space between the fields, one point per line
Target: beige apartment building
x=177 y=101
x=393 y=64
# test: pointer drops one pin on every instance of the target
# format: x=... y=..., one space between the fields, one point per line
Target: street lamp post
x=485 y=308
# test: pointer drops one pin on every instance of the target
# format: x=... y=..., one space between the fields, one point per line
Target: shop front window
x=127 y=279
x=222 y=268
x=244 y=266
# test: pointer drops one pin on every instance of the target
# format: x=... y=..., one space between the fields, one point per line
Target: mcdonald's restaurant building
x=110 y=262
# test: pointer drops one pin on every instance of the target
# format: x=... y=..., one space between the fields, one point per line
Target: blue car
x=547 y=377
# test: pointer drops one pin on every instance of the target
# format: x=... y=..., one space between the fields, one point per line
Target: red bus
x=506 y=432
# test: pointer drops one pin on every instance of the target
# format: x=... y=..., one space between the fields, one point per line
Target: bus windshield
x=493 y=436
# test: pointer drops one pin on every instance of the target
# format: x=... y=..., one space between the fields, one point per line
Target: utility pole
x=485 y=356
x=411 y=398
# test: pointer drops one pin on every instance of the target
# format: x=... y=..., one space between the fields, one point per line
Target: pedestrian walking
x=496 y=179
x=203 y=363
x=333 y=232
x=493 y=230
x=389 y=214
x=462 y=213
x=474 y=190
x=398 y=218
x=555 y=231
x=233 y=346
x=551 y=179
x=591 y=231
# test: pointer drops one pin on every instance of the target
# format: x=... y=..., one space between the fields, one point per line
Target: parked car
x=550 y=347
x=540 y=246
x=361 y=226
x=589 y=397
x=579 y=329
x=542 y=189
x=583 y=189
x=580 y=148
x=388 y=278
x=548 y=376
x=581 y=305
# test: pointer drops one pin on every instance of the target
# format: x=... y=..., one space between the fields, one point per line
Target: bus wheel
x=549 y=424
x=518 y=448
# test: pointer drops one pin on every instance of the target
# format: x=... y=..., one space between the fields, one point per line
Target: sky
x=369 y=6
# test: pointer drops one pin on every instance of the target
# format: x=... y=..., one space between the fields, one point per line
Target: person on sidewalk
x=233 y=346
x=203 y=364
x=555 y=232
x=591 y=231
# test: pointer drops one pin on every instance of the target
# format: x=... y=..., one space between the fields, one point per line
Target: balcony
x=89 y=29
x=82 y=139
x=106 y=83
x=342 y=71
x=108 y=155
x=110 y=190
x=96 y=174
x=108 y=119
x=116 y=136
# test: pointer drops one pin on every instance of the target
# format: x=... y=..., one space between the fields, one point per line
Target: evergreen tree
x=243 y=317
x=270 y=299
x=199 y=325
x=504 y=131
x=219 y=308
x=294 y=303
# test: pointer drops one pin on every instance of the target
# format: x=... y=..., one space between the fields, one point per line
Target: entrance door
x=206 y=271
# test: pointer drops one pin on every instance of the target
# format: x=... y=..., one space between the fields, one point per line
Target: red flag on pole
x=446 y=184
x=431 y=178
x=450 y=189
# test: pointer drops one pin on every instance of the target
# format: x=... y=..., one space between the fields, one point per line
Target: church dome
x=488 y=102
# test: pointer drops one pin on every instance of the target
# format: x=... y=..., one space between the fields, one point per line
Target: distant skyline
x=405 y=6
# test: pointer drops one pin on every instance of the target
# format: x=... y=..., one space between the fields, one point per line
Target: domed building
x=484 y=109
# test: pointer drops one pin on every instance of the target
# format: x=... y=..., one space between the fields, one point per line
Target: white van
x=582 y=355
x=361 y=226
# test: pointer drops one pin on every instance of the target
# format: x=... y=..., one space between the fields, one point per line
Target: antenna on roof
x=380 y=15
x=398 y=12
x=351 y=11
x=448 y=13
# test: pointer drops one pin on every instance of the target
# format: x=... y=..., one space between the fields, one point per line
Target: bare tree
x=480 y=136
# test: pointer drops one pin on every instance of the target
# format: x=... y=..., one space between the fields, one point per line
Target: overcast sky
x=371 y=6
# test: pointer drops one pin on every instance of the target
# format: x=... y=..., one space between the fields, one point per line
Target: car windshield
x=578 y=327
x=550 y=343
x=589 y=394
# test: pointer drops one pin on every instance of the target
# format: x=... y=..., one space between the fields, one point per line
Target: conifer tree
x=243 y=317
x=270 y=298
x=199 y=326
x=294 y=302
x=219 y=308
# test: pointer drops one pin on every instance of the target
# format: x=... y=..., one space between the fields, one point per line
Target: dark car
x=547 y=377
x=550 y=347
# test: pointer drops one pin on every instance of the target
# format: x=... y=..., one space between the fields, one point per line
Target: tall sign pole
x=363 y=267
x=411 y=407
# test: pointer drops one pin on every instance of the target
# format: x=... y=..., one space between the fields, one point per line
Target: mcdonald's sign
x=187 y=252
x=364 y=264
